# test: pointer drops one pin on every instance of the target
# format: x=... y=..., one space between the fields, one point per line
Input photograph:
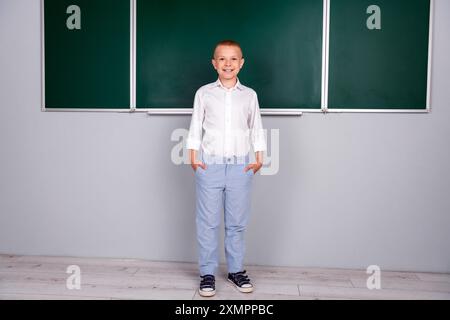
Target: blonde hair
x=227 y=43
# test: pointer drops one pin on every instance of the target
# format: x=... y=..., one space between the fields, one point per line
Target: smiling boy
x=228 y=113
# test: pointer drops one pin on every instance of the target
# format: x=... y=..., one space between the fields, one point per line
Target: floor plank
x=366 y=294
x=440 y=277
x=406 y=284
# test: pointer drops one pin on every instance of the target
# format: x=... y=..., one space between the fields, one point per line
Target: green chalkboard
x=381 y=63
x=281 y=41
x=87 y=54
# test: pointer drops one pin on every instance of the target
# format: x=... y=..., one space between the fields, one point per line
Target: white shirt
x=230 y=118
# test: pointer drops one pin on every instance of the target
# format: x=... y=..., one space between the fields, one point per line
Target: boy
x=229 y=114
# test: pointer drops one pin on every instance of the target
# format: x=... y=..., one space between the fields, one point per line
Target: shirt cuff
x=193 y=144
x=259 y=146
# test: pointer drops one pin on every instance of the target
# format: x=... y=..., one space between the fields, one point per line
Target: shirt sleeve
x=194 y=138
x=257 y=136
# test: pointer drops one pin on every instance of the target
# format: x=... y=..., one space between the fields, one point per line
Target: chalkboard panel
x=378 y=54
x=281 y=40
x=87 y=54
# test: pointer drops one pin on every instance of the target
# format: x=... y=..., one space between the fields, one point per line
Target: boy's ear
x=214 y=63
x=242 y=62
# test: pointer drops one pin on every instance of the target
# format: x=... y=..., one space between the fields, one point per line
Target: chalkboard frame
x=264 y=111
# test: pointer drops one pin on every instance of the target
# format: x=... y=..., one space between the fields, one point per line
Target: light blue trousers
x=223 y=184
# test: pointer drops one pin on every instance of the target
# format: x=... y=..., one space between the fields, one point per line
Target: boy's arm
x=194 y=138
x=257 y=136
x=259 y=157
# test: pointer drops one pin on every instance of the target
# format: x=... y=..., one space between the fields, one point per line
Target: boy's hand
x=194 y=163
x=198 y=164
x=254 y=166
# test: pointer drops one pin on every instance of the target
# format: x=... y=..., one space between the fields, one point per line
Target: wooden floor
x=39 y=277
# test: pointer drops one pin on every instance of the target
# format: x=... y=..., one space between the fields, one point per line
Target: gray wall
x=352 y=189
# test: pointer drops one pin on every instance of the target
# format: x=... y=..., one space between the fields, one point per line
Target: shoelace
x=207 y=281
x=241 y=278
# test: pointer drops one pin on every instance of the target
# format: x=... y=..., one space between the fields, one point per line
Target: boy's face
x=228 y=61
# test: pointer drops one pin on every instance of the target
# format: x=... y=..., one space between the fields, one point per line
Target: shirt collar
x=238 y=85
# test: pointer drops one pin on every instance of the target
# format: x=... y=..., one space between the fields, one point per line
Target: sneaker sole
x=244 y=290
x=207 y=293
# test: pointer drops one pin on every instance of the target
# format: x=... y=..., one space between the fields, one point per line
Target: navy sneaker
x=241 y=281
x=207 y=286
